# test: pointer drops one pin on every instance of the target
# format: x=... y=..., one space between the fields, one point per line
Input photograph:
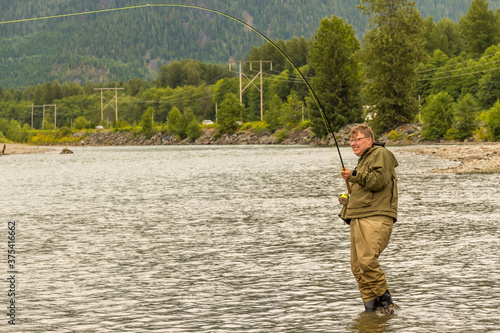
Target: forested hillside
x=129 y=44
x=439 y=72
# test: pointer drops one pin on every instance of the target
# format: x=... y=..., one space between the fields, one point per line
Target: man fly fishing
x=371 y=212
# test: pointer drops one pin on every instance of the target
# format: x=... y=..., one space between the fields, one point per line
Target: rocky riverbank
x=473 y=157
x=208 y=137
x=407 y=134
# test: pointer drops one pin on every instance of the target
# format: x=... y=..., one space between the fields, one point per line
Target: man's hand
x=345 y=173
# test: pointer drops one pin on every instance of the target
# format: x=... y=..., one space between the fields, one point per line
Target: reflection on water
x=217 y=239
x=370 y=322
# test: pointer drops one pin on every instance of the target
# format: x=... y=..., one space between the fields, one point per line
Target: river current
x=238 y=239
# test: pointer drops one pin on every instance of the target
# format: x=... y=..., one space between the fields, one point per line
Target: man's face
x=360 y=143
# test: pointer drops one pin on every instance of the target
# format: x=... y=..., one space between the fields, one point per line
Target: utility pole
x=241 y=90
x=115 y=99
x=259 y=74
x=32 y=111
x=261 y=93
x=55 y=113
x=419 y=110
x=43 y=117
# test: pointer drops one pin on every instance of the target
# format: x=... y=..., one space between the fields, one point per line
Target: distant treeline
x=129 y=44
x=457 y=82
x=190 y=87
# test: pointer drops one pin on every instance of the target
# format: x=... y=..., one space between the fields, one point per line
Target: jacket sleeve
x=377 y=175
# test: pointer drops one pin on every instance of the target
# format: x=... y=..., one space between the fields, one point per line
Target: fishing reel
x=344 y=198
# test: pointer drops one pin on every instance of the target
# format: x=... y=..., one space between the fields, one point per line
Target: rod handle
x=347 y=184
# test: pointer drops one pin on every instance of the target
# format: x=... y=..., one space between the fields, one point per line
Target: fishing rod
x=309 y=87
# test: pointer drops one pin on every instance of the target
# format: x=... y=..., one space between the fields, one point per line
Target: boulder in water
x=66 y=151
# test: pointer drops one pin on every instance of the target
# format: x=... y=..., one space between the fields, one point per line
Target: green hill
x=133 y=43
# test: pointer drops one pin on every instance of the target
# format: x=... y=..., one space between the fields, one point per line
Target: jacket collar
x=370 y=149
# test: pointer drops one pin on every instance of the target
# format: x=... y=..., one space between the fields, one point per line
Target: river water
x=238 y=239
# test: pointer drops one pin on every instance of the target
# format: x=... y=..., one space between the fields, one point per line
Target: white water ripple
x=245 y=239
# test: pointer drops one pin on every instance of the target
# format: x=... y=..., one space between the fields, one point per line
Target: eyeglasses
x=358 y=139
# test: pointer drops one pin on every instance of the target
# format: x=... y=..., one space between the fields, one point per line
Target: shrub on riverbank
x=246 y=133
x=45 y=138
x=282 y=135
x=12 y=130
x=256 y=127
x=491 y=121
x=193 y=130
x=183 y=125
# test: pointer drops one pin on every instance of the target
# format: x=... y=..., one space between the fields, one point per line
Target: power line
x=279 y=78
x=291 y=74
x=465 y=74
x=458 y=63
x=282 y=73
x=463 y=68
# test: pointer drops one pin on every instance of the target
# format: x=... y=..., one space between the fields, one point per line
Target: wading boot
x=386 y=303
x=372 y=305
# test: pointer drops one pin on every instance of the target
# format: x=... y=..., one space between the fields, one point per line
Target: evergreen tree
x=291 y=111
x=480 y=28
x=57 y=90
x=188 y=72
x=48 y=124
x=437 y=116
x=224 y=86
x=489 y=89
x=48 y=93
x=450 y=36
x=193 y=130
x=147 y=122
x=280 y=86
x=392 y=47
x=174 y=122
x=442 y=80
x=272 y=113
x=446 y=36
x=338 y=75
x=464 y=119
x=491 y=119
x=230 y=113
x=432 y=39
x=81 y=123
x=135 y=86
x=38 y=95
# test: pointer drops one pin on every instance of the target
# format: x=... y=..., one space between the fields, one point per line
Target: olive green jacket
x=374 y=189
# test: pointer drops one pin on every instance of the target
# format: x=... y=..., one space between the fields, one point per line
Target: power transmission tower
x=259 y=74
x=55 y=113
x=115 y=99
x=32 y=109
x=43 y=117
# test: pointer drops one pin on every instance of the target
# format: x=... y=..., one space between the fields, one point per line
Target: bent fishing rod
x=309 y=87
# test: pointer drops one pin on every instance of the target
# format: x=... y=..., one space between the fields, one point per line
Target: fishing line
x=315 y=97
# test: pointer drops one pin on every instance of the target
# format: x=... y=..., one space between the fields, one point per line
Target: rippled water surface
x=239 y=239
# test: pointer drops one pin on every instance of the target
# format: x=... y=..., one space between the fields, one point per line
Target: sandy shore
x=473 y=158
x=19 y=148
